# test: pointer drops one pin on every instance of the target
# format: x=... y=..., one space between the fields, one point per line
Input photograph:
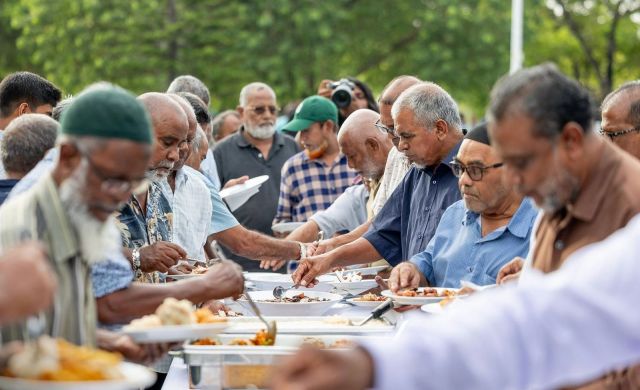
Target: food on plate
x=318 y=343
x=206 y=341
x=428 y=292
x=446 y=302
x=261 y=339
x=228 y=313
x=348 y=277
x=58 y=360
x=295 y=299
x=174 y=312
x=314 y=341
x=370 y=297
x=199 y=270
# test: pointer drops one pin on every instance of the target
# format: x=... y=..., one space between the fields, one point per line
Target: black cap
x=479 y=134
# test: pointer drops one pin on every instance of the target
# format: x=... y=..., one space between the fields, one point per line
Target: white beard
x=261 y=132
x=98 y=240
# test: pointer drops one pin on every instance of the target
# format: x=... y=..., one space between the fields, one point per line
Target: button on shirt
x=606 y=202
x=40 y=215
x=236 y=157
x=191 y=206
x=458 y=251
x=310 y=185
x=347 y=213
x=410 y=217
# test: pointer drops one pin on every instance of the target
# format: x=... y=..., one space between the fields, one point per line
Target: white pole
x=517 y=15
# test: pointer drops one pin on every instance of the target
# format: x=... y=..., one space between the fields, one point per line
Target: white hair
x=253 y=88
x=428 y=102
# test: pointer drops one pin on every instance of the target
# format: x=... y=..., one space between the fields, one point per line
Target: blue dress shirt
x=459 y=252
x=410 y=217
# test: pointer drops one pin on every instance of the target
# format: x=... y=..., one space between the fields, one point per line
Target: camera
x=341 y=95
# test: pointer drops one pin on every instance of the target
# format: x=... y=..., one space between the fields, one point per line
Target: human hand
x=510 y=271
x=24 y=269
x=324 y=88
x=321 y=247
x=215 y=306
x=235 y=182
x=180 y=269
x=160 y=256
x=404 y=276
x=309 y=268
x=272 y=264
x=138 y=353
x=316 y=369
x=226 y=280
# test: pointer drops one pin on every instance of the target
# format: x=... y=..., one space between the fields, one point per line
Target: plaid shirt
x=308 y=186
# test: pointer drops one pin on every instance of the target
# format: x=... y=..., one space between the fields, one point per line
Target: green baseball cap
x=312 y=109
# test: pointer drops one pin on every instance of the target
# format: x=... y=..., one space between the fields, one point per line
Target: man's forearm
x=257 y=246
x=357 y=252
x=139 y=299
x=305 y=233
x=352 y=235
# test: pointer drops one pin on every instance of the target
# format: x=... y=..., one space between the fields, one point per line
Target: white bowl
x=270 y=280
x=292 y=309
x=354 y=288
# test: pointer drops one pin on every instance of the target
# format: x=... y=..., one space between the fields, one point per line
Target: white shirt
x=562 y=328
x=394 y=170
x=347 y=212
x=191 y=205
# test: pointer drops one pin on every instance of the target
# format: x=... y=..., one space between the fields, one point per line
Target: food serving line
x=322 y=318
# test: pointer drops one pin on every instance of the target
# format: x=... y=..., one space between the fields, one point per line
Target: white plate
x=292 y=309
x=415 y=300
x=432 y=308
x=364 y=270
x=239 y=194
x=286 y=227
x=270 y=280
x=354 y=288
x=135 y=377
x=305 y=325
x=184 y=276
x=369 y=304
x=174 y=333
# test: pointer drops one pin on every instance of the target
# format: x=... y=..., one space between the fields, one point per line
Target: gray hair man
x=225 y=124
x=621 y=117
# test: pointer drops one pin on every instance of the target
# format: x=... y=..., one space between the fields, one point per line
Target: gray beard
x=97 y=240
x=261 y=132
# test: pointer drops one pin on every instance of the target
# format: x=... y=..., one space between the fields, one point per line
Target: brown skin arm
x=257 y=246
x=305 y=233
x=333 y=243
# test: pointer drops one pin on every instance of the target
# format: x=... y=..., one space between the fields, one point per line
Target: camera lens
x=341 y=96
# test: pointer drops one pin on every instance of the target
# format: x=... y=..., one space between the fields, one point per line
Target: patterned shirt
x=309 y=185
x=139 y=229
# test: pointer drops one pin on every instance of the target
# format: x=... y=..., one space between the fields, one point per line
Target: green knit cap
x=107 y=112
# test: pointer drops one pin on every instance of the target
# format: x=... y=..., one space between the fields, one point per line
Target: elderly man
x=25 y=142
x=314 y=178
x=198 y=149
x=478 y=234
x=621 y=117
x=23 y=93
x=70 y=209
x=225 y=124
x=255 y=150
x=428 y=124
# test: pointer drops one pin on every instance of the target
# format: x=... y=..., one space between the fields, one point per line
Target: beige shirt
x=38 y=214
x=396 y=167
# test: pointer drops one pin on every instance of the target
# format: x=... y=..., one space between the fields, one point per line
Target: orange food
x=206 y=342
x=205 y=316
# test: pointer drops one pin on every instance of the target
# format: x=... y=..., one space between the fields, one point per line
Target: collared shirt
x=191 y=205
x=221 y=217
x=410 y=217
x=346 y=213
x=40 y=215
x=210 y=170
x=236 y=157
x=42 y=167
x=395 y=169
x=552 y=330
x=459 y=252
x=6 y=185
x=310 y=185
x=608 y=199
x=140 y=228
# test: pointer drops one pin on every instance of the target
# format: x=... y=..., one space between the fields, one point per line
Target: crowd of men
x=104 y=193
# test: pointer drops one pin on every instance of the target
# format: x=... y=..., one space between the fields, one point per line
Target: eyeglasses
x=475 y=172
x=259 y=110
x=615 y=134
x=109 y=184
x=385 y=130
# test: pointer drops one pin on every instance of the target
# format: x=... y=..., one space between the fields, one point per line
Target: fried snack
x=206 y=342
x=428 y=292
x=175 y=312
x=206 y=316
x=370 y=297
x=74 y=363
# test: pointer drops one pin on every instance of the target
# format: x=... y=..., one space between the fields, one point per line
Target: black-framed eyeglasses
x=385 y=130
x=259 y=110
x=475 y=172
x=619 y=133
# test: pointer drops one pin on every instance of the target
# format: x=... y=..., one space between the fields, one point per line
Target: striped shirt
x=39 y=215
x=309 y=185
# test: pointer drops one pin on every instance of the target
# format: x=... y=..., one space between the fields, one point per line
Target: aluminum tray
x=310 y=325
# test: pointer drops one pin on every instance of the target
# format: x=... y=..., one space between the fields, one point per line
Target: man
x=478 y=234
x=621 y=117
x=25 y=142
x=551 y=331
x=24 y=93
x=366 y=149
x=428 y=124
x=198 y=149
x=70 y=209
x=314 y=178
x=255 y=150
x=225 y=124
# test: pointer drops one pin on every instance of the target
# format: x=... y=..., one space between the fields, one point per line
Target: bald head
x=171 y=126
x=365 y=146
x=395 y=87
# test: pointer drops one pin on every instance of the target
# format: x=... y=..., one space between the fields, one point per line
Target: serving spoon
x=271 y=325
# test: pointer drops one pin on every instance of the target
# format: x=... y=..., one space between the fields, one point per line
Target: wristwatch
x=303 y=251
x=135 y=256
